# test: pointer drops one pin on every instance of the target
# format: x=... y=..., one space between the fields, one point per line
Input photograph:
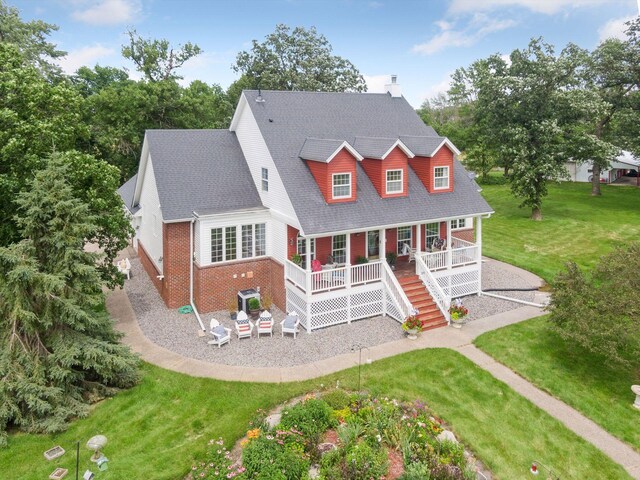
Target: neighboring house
x=336 y=177
x=582 y=172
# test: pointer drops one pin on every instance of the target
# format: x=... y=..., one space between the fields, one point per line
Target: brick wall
x=175 y=252
x=468 y=234
x=215 y=286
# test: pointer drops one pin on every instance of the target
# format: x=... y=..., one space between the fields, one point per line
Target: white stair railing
x=443 y=301
x=394 y=289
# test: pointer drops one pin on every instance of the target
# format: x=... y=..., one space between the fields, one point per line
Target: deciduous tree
x=298 y=59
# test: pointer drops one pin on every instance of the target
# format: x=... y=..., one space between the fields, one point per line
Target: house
x=582 y=172
x=342 y=178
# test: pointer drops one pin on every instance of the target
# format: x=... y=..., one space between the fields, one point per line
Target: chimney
x=393 y=88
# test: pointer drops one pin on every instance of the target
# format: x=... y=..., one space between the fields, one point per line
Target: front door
x=373 y=244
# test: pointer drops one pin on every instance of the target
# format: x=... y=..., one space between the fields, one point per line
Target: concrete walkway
x=460 y=340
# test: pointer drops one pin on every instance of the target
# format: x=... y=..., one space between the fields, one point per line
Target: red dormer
x=386 y=164
x=333 y=165
x=433 y=162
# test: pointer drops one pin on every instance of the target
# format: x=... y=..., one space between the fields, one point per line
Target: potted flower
x=457 y=312
x=254 y=307
x=391 y=259
x=297 y=259
x=412 y=325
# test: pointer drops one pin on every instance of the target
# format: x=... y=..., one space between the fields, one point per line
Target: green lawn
x=576 y=226
x=573 y=375
x=156 y=428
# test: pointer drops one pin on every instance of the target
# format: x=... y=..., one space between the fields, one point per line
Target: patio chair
x=124 y=267
x=411 y=252
x=438 y=244
x=265 y=323
x=244 y=327
x=290 y=324
x=221 y=335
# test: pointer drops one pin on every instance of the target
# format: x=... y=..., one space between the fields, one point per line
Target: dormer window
x=441 y=178
x=341 y=185
x=265 y=179
x=394 y=181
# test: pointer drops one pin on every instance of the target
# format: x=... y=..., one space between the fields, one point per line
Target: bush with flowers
x=412 y=323
x=218 y=464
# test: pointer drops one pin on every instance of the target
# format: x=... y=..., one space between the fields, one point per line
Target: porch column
x=418 y=238
x=307 y=277
x=347 y=275
x=383 y=244
x=449 y=258
x=479 y=251
x=307 y=253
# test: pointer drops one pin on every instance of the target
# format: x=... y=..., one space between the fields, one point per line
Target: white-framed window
x=461 y=223
x=341 y=185
x=301 y=249
x=440 y=178
x=431 y=232
x=394 y=181
x=404 y=236
x=339 y=248
x=224 y=242
x=265 y=179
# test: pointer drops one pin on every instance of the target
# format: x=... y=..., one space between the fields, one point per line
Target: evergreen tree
x=58 y=346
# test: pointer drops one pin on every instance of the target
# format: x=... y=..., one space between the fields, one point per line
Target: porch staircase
x=419 y=297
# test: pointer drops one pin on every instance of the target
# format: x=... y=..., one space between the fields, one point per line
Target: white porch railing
x=442 y=300
x=396 y=292
x=462 y=253
x=333 y=278
x=365 y=273
x=295 y=275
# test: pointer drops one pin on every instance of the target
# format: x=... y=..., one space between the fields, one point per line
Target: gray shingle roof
x=202 y=171
x=126 y=192
x=319 y=149
x=287 y=119
x=373 y=147
x=422 y=146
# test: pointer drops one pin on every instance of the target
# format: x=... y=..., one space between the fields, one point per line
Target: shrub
x=217 y=464
x=267 y=455
x=337 y=399
x=254 y=304
x=416 y=471
x=359 y=462
x=311 y=417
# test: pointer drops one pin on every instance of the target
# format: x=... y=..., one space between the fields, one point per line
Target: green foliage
x=92 y=81
x=311 y=417
x=265 y=458
x=357 y=461
x=218 y=464
x=59 y=348
x=392 y=257
x=336 y=398
x=254 y=304
x=157 y=59
x=30 y=38
x=600 y=310
x=361 y=260
x=416 y=471
x=297 y=59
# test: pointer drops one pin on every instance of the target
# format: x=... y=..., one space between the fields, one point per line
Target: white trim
x=399 y=250
x=447 y=176
x=333 y=186
x=468 y=223
x=386 y=186
x=264 y=179
x=349 y=148
x=242 y=103
x=446 y=142
x=403 y=147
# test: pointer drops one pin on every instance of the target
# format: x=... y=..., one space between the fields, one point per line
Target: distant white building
x=582 y=172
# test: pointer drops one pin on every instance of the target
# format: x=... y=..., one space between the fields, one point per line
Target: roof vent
x=393 y=88
x=259 y=98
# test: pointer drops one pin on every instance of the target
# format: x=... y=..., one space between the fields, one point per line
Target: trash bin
x=243 y=298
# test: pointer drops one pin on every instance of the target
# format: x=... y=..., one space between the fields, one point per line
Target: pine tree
x=58 y=346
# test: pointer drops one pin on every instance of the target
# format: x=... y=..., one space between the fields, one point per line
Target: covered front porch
x=343 y=277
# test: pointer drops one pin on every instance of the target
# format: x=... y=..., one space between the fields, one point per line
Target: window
x=224 y=242
x=302 y=249
x=339 y=249
x=404 y=236
x=394 y=181
x=460 y=223
x=265 y=179
x=441 y=178
x=341 y=185
x=230 y=243
x=431 y=232
x=216 y=245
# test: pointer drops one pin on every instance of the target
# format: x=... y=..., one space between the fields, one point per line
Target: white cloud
x=108 y=12
x=480 y=26
x=540 y=6
x=376 y=83
x=435 y=89
x=614 y=28
x=84 y=56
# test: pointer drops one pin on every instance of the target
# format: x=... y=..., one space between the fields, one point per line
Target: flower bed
x=341 y=436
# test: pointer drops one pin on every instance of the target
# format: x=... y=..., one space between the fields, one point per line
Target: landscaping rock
x=447 y=435
x=326 y=447
x=273 y=419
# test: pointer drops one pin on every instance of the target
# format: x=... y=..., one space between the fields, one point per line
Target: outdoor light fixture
x=535 y=470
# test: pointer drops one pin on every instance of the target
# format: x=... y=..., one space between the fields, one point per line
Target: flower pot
x=412 y=333
x=233 y=315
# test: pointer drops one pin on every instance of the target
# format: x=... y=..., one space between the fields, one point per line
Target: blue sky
x=423 y=42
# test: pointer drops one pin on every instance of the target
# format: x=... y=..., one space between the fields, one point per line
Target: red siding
x=391 y=241
x=292 y=241
x=424 y=168
x=323 y=249
x=377 y=172
x=358 y=245
x=343 y=162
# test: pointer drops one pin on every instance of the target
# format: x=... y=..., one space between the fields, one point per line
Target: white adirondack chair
x=265 y=323
x=290 y=324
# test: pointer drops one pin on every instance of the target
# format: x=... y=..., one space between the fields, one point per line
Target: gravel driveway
x=179 y=332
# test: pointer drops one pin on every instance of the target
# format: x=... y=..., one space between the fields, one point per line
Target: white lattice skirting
x=460 y=283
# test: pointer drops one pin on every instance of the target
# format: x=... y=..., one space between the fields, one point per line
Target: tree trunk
x=536 y=214
x=595 y=181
